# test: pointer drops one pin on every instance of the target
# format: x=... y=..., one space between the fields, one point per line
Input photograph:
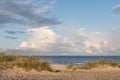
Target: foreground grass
x=26 y=63
x=90 y=65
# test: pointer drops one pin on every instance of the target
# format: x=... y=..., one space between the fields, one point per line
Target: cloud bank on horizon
x=44 y=39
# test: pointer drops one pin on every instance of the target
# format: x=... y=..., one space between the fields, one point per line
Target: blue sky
x=91 y=14
x=73 y=27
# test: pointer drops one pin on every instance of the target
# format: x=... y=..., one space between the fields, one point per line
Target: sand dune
x=106 y=73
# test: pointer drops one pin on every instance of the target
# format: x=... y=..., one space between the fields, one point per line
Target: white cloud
x=24 y=45
x=45 y=39
x=114 y=38
x=92 y=42
x=116 y=9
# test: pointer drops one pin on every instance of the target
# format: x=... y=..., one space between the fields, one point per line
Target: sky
x=60 y=27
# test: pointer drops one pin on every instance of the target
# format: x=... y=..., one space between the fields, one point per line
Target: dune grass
x=26 y=63
x=89 y=65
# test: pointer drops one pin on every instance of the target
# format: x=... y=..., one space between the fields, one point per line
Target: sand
x=101 y=73
x=60 y=67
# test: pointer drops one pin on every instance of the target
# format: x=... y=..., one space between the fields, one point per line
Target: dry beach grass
x=96 y=64
x=26 y=63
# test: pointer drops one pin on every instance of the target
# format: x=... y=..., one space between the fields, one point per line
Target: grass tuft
x=90 y=65
x=26 y=63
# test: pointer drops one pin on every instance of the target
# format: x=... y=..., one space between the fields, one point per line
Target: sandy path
x=64 y=75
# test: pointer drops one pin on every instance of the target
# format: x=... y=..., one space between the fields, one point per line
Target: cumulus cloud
x=116 y=9
x=44 y=39
x=114 y=37
x=92 y=42
x=24 y=44
x=25 y=13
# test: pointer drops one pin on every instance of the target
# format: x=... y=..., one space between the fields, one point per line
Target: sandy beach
x=107 y=73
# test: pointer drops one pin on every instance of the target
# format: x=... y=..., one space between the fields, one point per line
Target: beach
x=105 y=73
x=14 y=67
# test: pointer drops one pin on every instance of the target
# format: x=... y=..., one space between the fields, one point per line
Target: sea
x=77 y=60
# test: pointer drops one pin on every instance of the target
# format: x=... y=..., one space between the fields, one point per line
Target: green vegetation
x=90 y=65
x=26 y=63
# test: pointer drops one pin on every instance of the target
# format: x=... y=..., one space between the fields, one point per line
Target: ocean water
x=77 y=60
